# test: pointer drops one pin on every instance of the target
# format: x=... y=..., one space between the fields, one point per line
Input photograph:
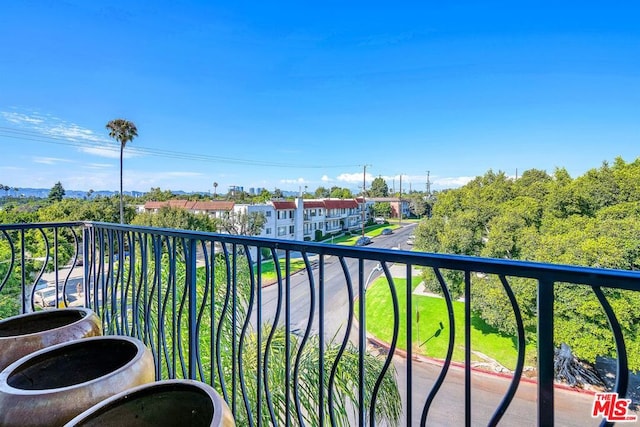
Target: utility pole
x=428 y=185
x=364 y=187
x=400 y=202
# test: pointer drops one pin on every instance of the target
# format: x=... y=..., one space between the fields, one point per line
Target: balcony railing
x=277 y=345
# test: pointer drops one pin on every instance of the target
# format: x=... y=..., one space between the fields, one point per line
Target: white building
x=288 y=220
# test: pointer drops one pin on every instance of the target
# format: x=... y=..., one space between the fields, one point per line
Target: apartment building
x=297 y=219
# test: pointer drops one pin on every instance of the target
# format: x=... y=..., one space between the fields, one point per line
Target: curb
x=425 y=359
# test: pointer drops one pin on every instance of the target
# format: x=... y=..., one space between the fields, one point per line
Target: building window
x=282 y=231
x=267 y=214
x=292 y=229
x=267 y=231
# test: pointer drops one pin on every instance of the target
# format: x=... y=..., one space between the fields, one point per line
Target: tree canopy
x=592 y=220
x=57 y=192
x=379 y=188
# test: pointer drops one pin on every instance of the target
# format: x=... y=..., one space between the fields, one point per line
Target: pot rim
x=141 y=351
x=87 y=313
x=217 y=400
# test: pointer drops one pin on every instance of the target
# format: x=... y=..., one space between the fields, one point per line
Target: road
x=571 y=408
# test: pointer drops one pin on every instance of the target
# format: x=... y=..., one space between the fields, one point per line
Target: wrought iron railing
x=286 y=345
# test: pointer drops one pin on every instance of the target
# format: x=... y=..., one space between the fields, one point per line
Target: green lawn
x=428 y=337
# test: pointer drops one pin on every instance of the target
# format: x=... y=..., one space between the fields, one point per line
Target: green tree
x=382 y=209
x=168 y=217
x=379 y=188
x=322 y=192
x=264 y=196
x=158 y=195
x=245 y=224
x=103 y=209
x=122 y=131
x=593 y=220
x=56 y=193
x=340 y=193
x=418 y=205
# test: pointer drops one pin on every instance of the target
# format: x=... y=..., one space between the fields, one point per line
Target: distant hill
x=43 y=193
x=75 y=194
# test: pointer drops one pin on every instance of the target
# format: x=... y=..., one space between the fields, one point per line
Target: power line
x=111 y=146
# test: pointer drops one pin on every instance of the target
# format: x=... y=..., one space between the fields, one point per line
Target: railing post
x=85 y=264
x=23 y=278
x=192 y=289
x=545 y=353
x=362 y=344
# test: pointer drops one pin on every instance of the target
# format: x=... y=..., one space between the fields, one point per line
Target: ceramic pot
x=53 y=385
x=163 y=403
x=26 y=333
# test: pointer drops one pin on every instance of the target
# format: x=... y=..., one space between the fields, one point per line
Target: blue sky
x=293 y=94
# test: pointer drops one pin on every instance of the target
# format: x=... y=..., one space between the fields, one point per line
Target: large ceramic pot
x=53 y=385
x=26 y=333
x=163 y=403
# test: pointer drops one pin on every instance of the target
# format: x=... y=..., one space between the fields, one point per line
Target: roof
x=340 y=204
x=313 y=204
x=221 y=205
x=284 y=205
x=216 y=205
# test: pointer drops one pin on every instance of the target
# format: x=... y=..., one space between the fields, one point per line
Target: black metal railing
x=279 y=327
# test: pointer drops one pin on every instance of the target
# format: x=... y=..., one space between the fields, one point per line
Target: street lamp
x=378 y=267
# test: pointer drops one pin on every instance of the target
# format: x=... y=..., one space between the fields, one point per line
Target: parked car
x=363 y=240
x=386 y=231
x=379 y=220
x=45 y=297
x=411 y=239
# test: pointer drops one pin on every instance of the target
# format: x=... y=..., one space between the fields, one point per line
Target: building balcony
x=294 y=347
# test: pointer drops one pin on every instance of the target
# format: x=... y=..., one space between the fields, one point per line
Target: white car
x=46 y=298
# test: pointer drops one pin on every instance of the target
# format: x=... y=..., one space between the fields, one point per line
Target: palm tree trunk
x=121 y=204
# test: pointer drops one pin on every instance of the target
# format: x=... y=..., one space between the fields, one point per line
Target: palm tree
x=122 y=131
x=215 y=188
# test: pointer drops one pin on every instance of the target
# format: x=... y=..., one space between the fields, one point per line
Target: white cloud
x=452 y=182
x=73 y=132
x=50 y=160
x=325 y=178
x=84 y=139
x=354 y=178
x=18 y=118
x=110 y=152
x=294 y=181
x=97 y=165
